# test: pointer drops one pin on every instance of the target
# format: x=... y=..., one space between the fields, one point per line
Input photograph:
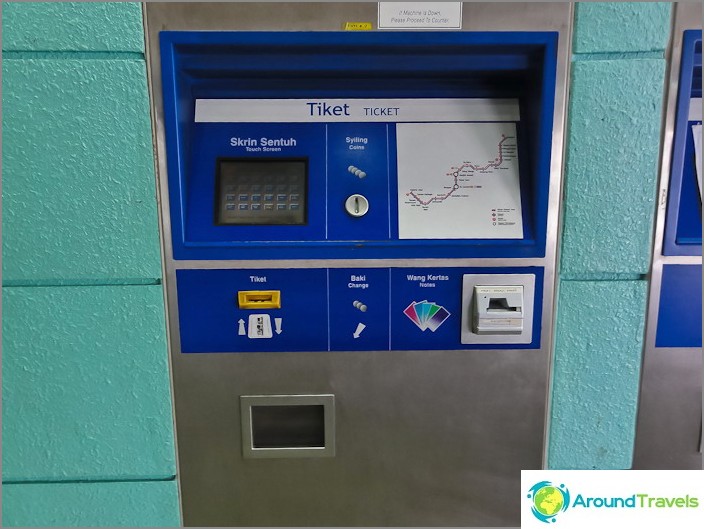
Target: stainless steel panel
x=423 y=437
x=669 y=422
x=670 y=410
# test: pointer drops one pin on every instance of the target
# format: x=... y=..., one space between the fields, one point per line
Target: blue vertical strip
x=683 y=223
x=680 y=308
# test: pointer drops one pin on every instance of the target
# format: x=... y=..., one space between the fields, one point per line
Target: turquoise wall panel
x=596 y=374
x=85 y=384
x=79 y=200
x=136 y=504
x=611 y=166
x=85 y=389
x=621 y=26
x=72 y=26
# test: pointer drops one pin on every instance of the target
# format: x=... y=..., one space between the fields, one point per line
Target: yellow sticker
x=358 y=26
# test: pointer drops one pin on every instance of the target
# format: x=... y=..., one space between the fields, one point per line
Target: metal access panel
x=359 y=234
x=669 y=430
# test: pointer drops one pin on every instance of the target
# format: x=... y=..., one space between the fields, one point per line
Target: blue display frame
x=683 y=221
x=458 y=64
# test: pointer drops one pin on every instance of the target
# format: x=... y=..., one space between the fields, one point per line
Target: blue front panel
x=245 y=66
x=342 y=159
x=338 y=309
x=363 y=146
x=437 y=293
x=680 y=310
x=211 y=320
x=218 y=141
x=434 y=294
x=359 y=309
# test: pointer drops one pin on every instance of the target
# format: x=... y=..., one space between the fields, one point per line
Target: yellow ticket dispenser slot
x=259 y=299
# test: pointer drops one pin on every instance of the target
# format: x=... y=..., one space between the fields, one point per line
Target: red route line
x=496 y=163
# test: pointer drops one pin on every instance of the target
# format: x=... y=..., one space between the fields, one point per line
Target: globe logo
x=548 y=500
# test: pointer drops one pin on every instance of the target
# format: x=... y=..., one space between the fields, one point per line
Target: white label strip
x=355 y=110
x=695 y=109
x=420 y=15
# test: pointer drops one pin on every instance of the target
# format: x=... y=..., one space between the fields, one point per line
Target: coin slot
x=357 y=205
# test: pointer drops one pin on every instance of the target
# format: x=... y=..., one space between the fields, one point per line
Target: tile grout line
x=87 y=481
x=72 y=55
x=618 y=56
x=69 y=283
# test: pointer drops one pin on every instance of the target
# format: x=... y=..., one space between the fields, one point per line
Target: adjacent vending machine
x=669 y=432
x=359 y=234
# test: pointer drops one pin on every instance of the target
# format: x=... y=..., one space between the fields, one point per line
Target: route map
x=458 y=181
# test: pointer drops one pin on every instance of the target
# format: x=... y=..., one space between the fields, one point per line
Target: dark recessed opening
x=288 y=426
x=501 y=304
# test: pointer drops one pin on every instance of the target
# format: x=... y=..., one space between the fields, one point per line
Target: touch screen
x=266 y=192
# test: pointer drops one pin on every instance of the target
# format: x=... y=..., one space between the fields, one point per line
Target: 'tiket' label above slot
x=355 y=110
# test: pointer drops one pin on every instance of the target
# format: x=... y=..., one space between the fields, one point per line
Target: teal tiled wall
x=131 y=504
x=87 y=416
x=73 y=26
x=596 y=373
x=79 y=187
x=621 y=27
x=85 y=384
x=611 y=167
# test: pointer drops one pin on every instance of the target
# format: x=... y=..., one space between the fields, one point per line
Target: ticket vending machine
x=360 y=235
x=669 y=432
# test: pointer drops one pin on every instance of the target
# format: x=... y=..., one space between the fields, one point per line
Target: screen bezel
x=218 y=186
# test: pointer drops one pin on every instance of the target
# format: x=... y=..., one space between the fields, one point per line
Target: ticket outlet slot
x=287 y=426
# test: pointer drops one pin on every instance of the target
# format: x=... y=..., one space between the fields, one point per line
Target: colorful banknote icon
x=426 y=314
